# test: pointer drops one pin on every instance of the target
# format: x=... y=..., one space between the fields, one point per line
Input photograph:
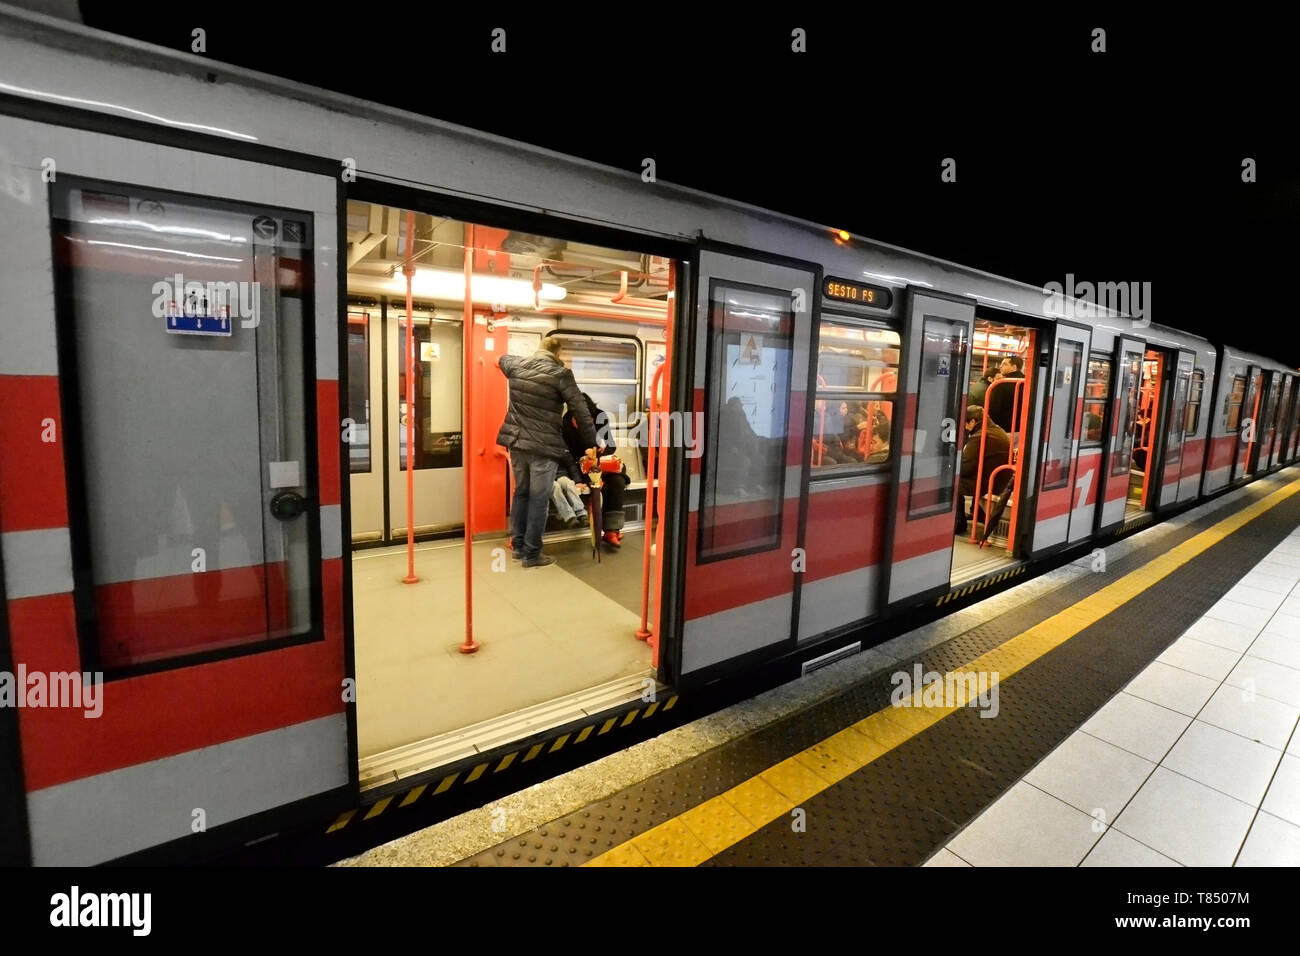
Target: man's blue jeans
x=534 y=476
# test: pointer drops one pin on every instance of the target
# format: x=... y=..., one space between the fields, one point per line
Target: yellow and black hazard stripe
x=475 y=768
x=1137 y=522
x=956 y=593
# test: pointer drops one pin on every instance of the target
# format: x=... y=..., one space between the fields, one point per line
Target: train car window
x=439 y=372
x=188 y=319
x=359 y=392
x=1060 y=429
x=1130 y=370
x=1096 y=396
x=1177 y=415
x=751 y=345
x=857 y=378
x=939 y=417
x=1192 y=419
x=1232 y=403
x=523 y=344
x=607 y=370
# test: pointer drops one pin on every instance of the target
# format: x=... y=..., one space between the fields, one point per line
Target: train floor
x=1138 y=711
x=551 y=640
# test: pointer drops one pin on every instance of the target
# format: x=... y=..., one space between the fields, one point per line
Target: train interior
x=1142 y=436
x=540 y=646
x=1000 y=380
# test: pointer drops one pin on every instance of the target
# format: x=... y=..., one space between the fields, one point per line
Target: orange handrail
x=468 y=645
x=652 y=463
x=408 y=270
x=661 y=485
x=1017 y=388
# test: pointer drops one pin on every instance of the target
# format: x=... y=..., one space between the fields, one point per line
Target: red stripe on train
x=31 y=468
x=845 y=530
x=329 y=438
x=745 y=579
x=171 y=712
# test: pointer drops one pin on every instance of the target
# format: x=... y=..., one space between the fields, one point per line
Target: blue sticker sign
x=199 y=324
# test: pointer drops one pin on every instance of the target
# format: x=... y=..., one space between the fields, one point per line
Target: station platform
x=1136 y=707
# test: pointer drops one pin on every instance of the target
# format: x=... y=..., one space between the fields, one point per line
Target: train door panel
x=1175 y=426
x=1067 y=483
x=439 y=476
x=363 y=429
x=922 y=509
x=182 y=538
x=1247 y=434
x=1285 y=413
x=1126 y=386
x=750 y=342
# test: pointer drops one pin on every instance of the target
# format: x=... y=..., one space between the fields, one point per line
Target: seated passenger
x=997 y=450
x=740 y=452
x=613 y=484
x=879 y=445
x=566 y=495
x=849 y=426
x=1092 y=427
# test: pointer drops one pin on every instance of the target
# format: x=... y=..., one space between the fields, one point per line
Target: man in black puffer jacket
x=540 y=386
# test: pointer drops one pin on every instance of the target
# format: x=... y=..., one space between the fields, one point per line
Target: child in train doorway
x=614 y=485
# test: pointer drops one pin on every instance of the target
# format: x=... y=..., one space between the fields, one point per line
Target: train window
x=1192 y=419
x=1060 y=427
x=1096 y=395
x=359 y=392
x=189 y=320
x=523 y=344
x=1232 y=403
x=605 y=368
x=857 y=377
x=857 y=358
x=940 y=391
x=1177 y=415
x=438 y=374
x=751 y=343
x=848 y=434
x=1130 y=371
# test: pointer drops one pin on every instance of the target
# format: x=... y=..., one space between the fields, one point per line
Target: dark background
x=1121 y=166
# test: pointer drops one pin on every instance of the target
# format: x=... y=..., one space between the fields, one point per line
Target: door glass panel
x=605 y=369
x=1130 y=370
x=939 y=417
x=438 y=374
x=1095 y=396
x=184 y=327
x=751 y=341
x=1174 y=430
x=1056 y=466
x=359 y=392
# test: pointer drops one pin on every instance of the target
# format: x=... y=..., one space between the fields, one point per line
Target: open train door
x=924 y=493
x=1115 y=476
x=749 y=347
x=1172 y=467
x=1067 y=491
x=1243 y=464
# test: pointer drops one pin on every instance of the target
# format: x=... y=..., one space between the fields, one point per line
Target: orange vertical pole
x=652 y=462
x=661 y=485
x=468 y=646
x=408 y=270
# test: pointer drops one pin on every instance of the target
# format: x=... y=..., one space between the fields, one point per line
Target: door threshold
x=424 y=756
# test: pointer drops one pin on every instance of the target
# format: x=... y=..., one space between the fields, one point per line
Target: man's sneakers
x=613 y=538
x=571 y=522
x=541 y=561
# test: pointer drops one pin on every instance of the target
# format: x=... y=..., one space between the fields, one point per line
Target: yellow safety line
x=708 y=829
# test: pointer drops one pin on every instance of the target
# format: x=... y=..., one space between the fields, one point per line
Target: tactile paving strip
x=938 y=780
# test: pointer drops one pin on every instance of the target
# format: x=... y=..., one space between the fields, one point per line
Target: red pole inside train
x=661 y=485
x=408 y=270
x=468 y=646
x=652 y=436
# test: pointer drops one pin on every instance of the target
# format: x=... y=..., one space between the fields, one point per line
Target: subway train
x=256 y=562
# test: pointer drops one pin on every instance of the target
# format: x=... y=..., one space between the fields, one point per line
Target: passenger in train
x=613 y=484
x=540 y=385
x=997 y=449
x=1003 y=407
x=566 y=495
x=739 y=452
x=879 y=444
x=981 y=386
x=1091 y=426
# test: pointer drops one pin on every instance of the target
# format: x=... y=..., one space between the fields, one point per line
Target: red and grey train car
x=831 y=374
